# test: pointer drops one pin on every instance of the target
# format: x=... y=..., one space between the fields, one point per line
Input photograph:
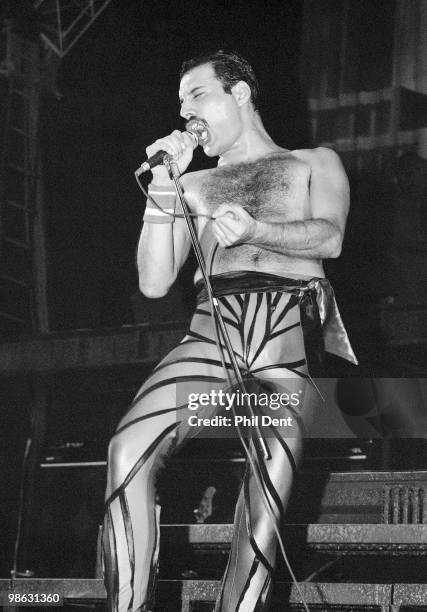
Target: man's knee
x=265 y=536
x=120 y=460
x=116 y=451
x=125 y=454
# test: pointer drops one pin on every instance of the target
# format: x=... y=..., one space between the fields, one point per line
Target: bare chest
x=273 y=189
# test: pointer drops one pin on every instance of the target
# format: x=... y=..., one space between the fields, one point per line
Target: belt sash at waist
x=316 y=300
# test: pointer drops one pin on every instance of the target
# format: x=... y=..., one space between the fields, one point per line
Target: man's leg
x=275 y=352
x=260 y=508
x=248 y=579
x=130 y=534
x=151 y=430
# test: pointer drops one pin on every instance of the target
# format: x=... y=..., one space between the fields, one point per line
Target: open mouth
x=199 y=128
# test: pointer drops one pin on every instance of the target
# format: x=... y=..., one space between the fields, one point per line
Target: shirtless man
x=267 y=218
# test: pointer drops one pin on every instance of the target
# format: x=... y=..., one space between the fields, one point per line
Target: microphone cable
x=254 y=462
x=220 y=329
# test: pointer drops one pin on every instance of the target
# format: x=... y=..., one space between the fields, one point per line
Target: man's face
x=202 y=95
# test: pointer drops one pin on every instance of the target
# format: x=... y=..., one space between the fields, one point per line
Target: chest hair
x=267 y=189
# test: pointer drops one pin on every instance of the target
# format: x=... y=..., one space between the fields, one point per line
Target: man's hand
x=180 y=146
x=233 y=225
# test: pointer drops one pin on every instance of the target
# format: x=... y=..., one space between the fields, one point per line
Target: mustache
x=196 y=118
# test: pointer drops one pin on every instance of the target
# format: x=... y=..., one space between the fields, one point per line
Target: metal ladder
x=19 y=104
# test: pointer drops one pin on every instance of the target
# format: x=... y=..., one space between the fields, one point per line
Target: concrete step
x=371 y=497
x=333 y=538
x=186 y=594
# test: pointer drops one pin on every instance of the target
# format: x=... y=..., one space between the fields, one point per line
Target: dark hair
x=229 y=68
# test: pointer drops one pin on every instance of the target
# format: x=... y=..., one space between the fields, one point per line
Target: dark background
x=119 y=92
x=115 y=93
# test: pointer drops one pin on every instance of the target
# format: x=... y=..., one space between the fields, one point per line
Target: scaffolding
x=22 y=309
x=65 y=21
x=25 y=68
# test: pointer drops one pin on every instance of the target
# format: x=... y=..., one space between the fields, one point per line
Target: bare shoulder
x=329 y=186
x=192 y=184
x=321 y=158
x=192 y=180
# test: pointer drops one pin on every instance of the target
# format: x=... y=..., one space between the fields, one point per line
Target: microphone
x=196 y=128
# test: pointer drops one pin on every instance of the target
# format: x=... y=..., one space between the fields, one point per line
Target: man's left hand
x=233 y=225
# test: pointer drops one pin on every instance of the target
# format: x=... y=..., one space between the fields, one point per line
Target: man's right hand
x=180 y=145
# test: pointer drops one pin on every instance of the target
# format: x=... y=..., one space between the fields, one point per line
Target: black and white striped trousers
x=270 y=334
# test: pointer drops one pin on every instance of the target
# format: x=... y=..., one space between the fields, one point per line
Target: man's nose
x=186 y=111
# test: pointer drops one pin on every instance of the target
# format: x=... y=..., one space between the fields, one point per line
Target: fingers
x=228 y=224
x=221 y=236
x=231 y=209
x=232 y=225
x=227 y=230
x=188 y=140
x=180 y=146
x=175 y=144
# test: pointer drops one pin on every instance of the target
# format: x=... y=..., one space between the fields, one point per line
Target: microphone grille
x=199 y=129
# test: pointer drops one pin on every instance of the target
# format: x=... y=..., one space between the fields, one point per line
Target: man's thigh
x=192 y=368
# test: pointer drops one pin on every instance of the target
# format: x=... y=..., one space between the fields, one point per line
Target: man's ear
x=241 y=92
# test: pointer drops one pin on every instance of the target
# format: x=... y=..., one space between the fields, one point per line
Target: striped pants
x=269 y=343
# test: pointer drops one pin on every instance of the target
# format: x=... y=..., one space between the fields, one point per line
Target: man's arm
x=319 y=237
x=162 y=250
x=164 y=247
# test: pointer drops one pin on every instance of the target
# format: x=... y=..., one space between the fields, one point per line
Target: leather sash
x=318 y=309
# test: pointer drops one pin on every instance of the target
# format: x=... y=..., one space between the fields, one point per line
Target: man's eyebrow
x=192 y=91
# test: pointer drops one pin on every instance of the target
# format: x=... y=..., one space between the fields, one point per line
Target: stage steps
x=364 y=519
x=340 y=597
x=334 y=538
x=323 y=596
